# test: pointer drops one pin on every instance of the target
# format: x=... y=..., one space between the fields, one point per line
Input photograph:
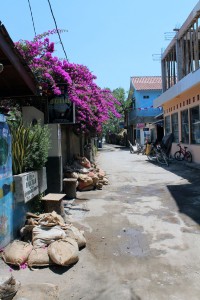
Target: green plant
x=30 y=146
x=21 y=145
x=40 y=147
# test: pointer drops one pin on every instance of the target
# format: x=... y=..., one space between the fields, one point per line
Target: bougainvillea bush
x=93 y=104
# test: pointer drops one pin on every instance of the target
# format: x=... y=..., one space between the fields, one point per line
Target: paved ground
x=142 y=231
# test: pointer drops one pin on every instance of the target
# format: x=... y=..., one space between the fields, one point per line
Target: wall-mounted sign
x=61 y=110
x=26 y=186
x=145 y=129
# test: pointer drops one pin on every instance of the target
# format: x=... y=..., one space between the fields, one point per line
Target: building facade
x=142 y=124
x=181 y=85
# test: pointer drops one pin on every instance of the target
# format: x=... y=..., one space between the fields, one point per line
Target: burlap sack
x=100 y=174
x=76 y=234
x=17 y=252
x=85 y=162
x=50 y=219
x=84 y=181
x=64 y=252
x=39 y=257
x=43 y=235
x=94 y=177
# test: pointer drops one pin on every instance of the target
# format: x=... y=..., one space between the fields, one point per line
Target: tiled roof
x=147 y=82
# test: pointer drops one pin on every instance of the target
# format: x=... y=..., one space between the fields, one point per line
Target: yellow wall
x=184 y=101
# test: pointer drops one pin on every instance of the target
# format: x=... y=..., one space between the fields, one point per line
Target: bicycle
x=183 y=154
x=158 y=154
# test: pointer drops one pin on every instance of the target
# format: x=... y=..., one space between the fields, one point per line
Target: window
x=175 y=127
x=145 y=97
x=184 y=127
x=167 y=125
x=195 y=125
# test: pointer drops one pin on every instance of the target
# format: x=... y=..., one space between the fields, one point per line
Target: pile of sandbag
x=88 y=176
x=46 y=240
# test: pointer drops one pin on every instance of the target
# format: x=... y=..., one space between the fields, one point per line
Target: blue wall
x=141 y=103
x=6 y=184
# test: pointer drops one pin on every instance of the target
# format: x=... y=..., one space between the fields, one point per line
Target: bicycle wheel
x=162 y=158
x=178 y=155
x=188 y=156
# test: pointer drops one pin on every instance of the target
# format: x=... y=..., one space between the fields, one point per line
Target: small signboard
x=26 y=186
x=140 y=125
x=61 y=110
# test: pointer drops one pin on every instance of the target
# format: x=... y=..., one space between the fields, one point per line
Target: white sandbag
x=77 y=235
x=39 y=257
x=43 y=236
x=17 y=252
x=64 y=252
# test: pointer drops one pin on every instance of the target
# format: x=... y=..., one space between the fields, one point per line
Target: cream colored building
x=181 y=85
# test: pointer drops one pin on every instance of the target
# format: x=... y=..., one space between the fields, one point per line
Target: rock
x=8 y=287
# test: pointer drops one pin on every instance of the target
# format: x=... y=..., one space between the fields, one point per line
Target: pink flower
x=93 y=104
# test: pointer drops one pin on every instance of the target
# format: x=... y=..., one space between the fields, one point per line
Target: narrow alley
x=142 y=232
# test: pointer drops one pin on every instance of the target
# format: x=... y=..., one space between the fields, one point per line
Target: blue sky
x=115 y=39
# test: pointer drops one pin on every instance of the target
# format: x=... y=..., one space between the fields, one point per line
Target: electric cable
x=32 y=17
x=57 y=30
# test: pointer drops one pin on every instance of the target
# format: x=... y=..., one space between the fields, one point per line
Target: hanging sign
x=140 y=125
x=61 y=110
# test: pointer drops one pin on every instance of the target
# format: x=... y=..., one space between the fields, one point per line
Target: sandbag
x=50 y=219
x=43 y=236
x=32 y=222
x=94 y=177
x=100 y=173
x=105 y=181
x=17 y=252
x=76 y=234
x=84 y=181
x=64 y=252
x=39 y=257
x=85 y=162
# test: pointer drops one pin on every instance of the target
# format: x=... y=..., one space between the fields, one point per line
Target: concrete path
x=142 y=231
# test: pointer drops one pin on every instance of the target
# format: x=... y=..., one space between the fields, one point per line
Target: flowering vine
x=93 y=104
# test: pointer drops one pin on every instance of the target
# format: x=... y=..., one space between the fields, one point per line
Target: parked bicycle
x=183 y=153
x=157 y=153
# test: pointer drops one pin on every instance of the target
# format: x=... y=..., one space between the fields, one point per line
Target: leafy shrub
x=30 y=145
x=39 y=152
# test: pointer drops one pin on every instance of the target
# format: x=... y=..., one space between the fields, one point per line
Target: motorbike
x=137 y=148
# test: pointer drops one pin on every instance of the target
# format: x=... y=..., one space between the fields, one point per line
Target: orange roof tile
x=147 y=82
